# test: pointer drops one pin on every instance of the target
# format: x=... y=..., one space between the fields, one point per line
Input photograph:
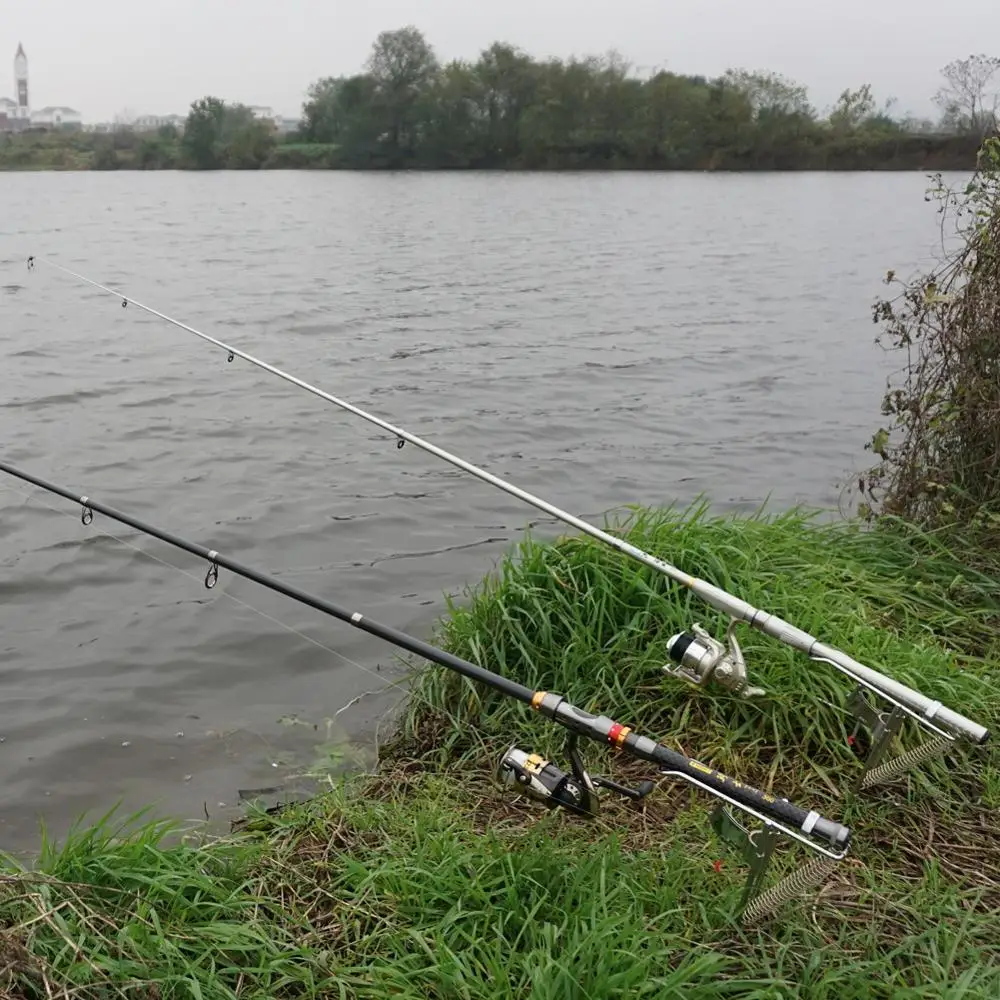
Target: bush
x=940 y=456
x=105 y=158
x=303 y=156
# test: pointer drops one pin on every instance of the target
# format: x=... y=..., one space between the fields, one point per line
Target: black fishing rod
x=530 y=773
x=696 y=655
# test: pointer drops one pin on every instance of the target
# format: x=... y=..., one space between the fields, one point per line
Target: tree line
x=507 y=110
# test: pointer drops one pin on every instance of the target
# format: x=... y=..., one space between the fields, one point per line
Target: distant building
x=281 y=123
x=57 y=117
x=17 y=114
x=21 y=82
x=149 y=123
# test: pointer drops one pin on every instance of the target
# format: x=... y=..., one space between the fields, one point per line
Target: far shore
x=165 y=150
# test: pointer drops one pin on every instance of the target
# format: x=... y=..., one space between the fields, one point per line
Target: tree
x=970 y=98
x=560 y=123
x=225 y=135
x=882 y=120
x=505 y=83
x=320 y=110
x=155 y=152
x=455 y=129
x=616 y=99
x=852 y=109
x=507 y=109
x=679 y=117
x=782 y=120
x=246 y=141
x=342 y=110
x=403 y=67
x=203 y=131
x=105 y=157
x=768 y=92
x=917 y=126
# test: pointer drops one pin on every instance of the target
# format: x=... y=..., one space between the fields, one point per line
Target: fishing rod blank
x=699 y=659
x=531 y=773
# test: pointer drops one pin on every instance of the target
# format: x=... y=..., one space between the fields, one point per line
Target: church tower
x=21 y=83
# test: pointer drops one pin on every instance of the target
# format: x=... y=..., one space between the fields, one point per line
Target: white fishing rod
x=698 y=657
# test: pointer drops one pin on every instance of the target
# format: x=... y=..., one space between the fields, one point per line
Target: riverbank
x=128 y=150
x=422 y=880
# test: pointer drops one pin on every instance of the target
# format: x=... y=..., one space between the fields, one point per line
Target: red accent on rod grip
x=616 y=728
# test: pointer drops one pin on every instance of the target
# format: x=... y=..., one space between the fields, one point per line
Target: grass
x=423 y=880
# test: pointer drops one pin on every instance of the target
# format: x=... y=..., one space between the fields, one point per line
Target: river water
x=598 y=339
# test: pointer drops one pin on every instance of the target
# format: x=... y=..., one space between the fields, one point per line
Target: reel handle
x=637 y=794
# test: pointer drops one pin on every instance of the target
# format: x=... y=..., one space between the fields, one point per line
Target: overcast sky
x=156 y=56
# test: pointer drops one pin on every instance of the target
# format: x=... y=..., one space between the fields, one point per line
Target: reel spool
x=540 y=779
x=701 y=659
x=534 y=776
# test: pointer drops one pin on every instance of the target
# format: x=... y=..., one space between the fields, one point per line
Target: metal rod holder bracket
x=756 y=846
x=883 y=727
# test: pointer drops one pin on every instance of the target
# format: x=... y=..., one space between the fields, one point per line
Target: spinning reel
x=701 y=659
x=534 y=776
x=577 y=790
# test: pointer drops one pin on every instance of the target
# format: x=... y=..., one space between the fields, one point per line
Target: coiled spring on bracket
x=910 y=758
x=789 y=887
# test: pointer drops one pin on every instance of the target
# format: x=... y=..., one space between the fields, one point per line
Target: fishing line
x=401 y=685
x=698 y=658
x=474 y=734
x=38 y=498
